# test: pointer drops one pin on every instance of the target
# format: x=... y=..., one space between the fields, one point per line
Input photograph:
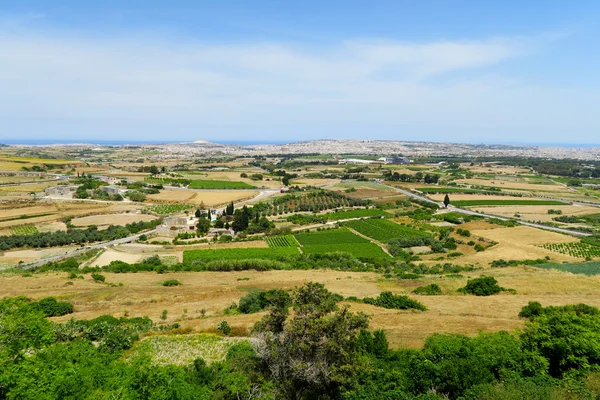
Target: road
x=469 y=212
x=42 y=261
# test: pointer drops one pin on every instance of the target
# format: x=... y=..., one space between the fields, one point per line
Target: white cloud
x=58 y=85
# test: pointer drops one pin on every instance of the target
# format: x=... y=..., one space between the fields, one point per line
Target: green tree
x=446 y=200
x=203 y=225
x=315 y=352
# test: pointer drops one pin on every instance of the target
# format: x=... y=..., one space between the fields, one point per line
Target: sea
x=42 y=142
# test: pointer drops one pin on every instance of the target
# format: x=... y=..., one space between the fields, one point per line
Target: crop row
x=281 y=241
x=329 y=237
x=384 y=230
x=359 y=250
x=574 y=249
x=589 y=268
x=24 y=230
x=169 y=208
x=373 y=212
x=239 y=253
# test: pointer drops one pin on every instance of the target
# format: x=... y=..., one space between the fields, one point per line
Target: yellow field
x=515 y=185
x=538 y=213
x=209 y=198
x=104 y=220
x=213 y=291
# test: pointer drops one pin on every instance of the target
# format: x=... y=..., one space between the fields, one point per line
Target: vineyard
x=590 y=268
x=24 y=230
x=281 y=241
x=329 y=238
x=169 y=208
x=239 y=254
x=200 y=184
x=384 y=230
x=373 y=212
x=339 y=240
x=575 y=249
x=312 y=201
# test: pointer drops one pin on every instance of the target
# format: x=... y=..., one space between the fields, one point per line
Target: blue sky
x=460 y=71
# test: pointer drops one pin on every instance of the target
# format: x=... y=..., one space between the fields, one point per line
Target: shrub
x=171 y=282
x=257 y=301
x=483 y=286
x=98 y=277
x=224 y=328
x=53 y=308
x=531 y=310
x=392 y=301
x=429 y=290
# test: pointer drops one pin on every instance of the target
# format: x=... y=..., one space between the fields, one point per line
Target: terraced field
x=24 y=230
x=341 y=240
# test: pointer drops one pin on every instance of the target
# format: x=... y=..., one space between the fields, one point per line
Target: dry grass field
x=538 y=213
x=209 y=198
x=503 y=184
x=460 y=196
x=14 y=256
x=492 y=169
x=104 y=220
x=142 y=294
x=518 y=243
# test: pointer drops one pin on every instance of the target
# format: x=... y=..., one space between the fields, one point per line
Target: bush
x=171 y=282
x=224 y=328
x=531 y=310
x=98 y=277
x=429 y=290
x=257 y=301
x=53 y=308
x=392 y=301
x=483 y=286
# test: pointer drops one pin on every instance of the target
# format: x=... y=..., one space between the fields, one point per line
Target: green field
x=433 y=190
x=373 y=212
x=169 y=208
x=282 y=241
x=471 y=203
x=384 y=230
x=24 y=230
x=329 y=237
x=574 y=249
x=339 y=240
x=239 y=254
x=362 y=250
x=589 y=268
x=211 y=184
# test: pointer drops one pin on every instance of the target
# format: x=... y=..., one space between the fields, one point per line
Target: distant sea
x=41 y=142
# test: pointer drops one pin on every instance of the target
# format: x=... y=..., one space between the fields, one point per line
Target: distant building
x=394 y=160
x=112 y=189
x=355 y=161
x=61 y=191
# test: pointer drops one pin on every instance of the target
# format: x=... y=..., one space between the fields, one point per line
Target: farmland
x=210 y=184
x=281 y=241
x=384 y=230
x=589 y=268
x=329 y=237
x=24 y=230
x=238 y=254
x=339 y=215
x=574 y=249
x=313 y=201
x=524 y=202
x=163 y=209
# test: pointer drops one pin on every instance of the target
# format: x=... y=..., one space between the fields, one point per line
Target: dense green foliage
x=483 y=286
x=321 y=351
x=429 y=290
x=281 y=241
x=339 y=240
x=396 y=302
x=74 y=236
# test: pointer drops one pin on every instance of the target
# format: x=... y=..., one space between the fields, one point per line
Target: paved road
x=72 y=253
x=469 y=212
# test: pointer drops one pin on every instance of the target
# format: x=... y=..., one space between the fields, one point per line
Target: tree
x=203 y=225
x=230 y=209
x=241 y=219
x=446 y=200
x=286 y=180
x=154 y=170
x=315 y=352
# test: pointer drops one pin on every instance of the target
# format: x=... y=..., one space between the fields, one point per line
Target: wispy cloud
x=152 y=86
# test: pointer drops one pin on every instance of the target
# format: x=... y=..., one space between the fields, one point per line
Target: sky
x=491 y=71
